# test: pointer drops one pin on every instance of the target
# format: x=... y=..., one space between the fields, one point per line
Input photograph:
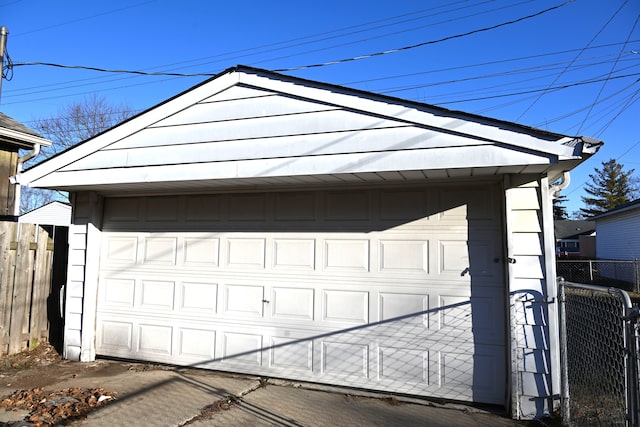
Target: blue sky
x=573 y=70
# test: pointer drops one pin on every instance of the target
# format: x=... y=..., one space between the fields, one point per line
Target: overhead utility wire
x=613 y=67
x=574 y=59
x=337 y=31
x=390 y=51
x=289 y=41
x=357 y=58
x=500 y=61
x=527 y=70
x=109 y=12
x=369 y=39
x=551 y=89
x=632 y=100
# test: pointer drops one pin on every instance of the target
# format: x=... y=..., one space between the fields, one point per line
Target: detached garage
x=265 y=224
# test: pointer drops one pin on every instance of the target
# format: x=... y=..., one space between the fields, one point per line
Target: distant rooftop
x=634 y=204
x=15 y=133
x=572 y=229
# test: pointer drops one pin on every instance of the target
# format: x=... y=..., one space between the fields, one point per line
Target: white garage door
x=389 y=289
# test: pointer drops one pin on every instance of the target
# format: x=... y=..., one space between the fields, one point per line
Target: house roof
x=572 y=229
x=252 y=127
x=634 y=204
x=54 y=213
x=16 y=134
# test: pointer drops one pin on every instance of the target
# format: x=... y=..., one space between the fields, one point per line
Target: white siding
x=618 y=236
x=82 y=270
x=54 y=213
x=252 y=126
x=531 y=346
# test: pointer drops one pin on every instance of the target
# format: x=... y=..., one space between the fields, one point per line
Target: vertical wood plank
x=38 y=328
x=21 y=290
x=26 y=258
x=7 y=265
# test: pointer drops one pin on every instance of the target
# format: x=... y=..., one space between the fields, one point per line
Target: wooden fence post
x=25 y=284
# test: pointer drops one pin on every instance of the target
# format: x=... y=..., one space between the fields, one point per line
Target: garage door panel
x=243 y=253
x=243 y=300
x=404 y=256
x=295 y=206
x=242 y=349
x=160 y=251
x=201 y=251
x=292 y=303
x=345 y=359
x=197 y=344
x=346 y=255
x=117 y=292
x=156 y=339
x=286 y=354
x=401 y=364
x=407 y=306
x=121 y=250
x=199 y=298
x=342 y=306
x=347 y=206
x=452 y=315
x=294 y=254
x=116 y=336
x=388 y=289
x=157 y=295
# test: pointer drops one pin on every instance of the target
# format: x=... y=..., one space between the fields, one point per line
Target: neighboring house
x=14 y=136
x=575 y=238
x=54 y=213
x=271 y=225
x=618 y=232
x=618 y=238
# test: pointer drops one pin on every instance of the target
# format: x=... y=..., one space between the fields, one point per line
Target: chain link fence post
x=565 y=407
x=632 y=366
x=599 y=356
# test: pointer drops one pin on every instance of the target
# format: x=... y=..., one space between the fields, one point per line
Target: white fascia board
x=127 y=128
x=23 y=137
x=489 y=131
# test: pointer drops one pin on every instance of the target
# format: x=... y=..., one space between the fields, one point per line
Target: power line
x=356 y=58
x=500 y=61
x=370 y=38
x=82 y=19
x=404 y=48
x=106 y=70
x=575 y=58
x=550 y=89
x=613 y=67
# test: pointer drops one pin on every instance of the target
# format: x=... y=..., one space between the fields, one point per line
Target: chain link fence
x=599 y=348
x=621 y=274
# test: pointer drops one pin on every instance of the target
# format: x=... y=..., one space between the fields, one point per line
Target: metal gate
x=599 y=350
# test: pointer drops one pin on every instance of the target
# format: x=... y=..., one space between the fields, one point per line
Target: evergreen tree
x=610 y=187
x=559 y=210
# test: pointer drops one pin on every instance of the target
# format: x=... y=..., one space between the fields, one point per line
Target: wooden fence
x=26 y=257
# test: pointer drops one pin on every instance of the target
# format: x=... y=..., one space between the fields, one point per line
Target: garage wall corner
x=530 y=332
x=82 y=278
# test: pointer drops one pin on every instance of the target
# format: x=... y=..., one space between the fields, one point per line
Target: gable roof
x=572 y=229
x=248 y=126
x=16 y=134
x=632 y=205
x=54 y=213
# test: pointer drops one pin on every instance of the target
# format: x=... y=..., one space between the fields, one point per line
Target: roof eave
x=21 y=139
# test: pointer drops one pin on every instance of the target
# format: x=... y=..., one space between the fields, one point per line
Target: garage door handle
x=265 y=301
